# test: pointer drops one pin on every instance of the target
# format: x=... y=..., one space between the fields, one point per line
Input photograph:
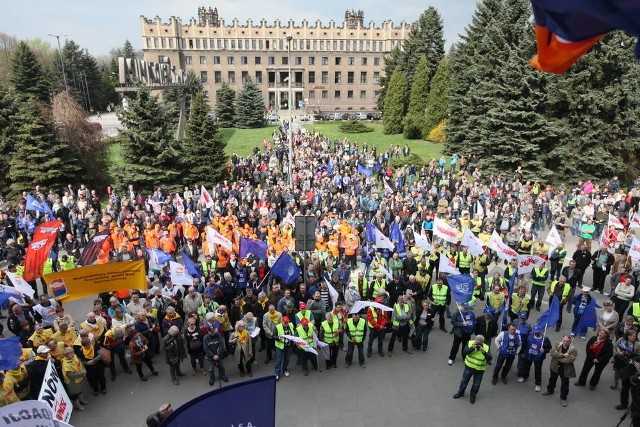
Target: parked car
x=374 y=116
x=361 y=116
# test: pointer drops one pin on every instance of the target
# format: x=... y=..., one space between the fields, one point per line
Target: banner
x=301 y=343
x=30 y=413
x=179 y=274
x=88 y=281
x=54 y=395
x=444 y=231
x=553 y=238
x=634 y=249
x=359 y=305
x=39 y=248
x=635 y=221
x=447 y=266
x=472 y=242
x=422 y=242
x=93 y=248
x=615 y=222
x=205 y=197
x=526 y=263
x=462 y=286
x=20 y=284
x=502 y=250
x=215 y=238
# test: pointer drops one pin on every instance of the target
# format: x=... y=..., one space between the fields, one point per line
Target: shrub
x=354 y=126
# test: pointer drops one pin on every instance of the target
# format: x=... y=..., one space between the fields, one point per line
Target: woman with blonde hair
x=243 y=354
x=175 y=351
x=74 y=374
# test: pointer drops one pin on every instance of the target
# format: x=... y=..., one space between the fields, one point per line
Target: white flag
x=382 y=241
x=20 y=284
x=635 y=221
x=52 y=393
x=177 y=202
x=205 y=197
x=615 y=222
x=472 y=242
x=502 y=250
x=447 y=266
x=289 y=219
x=382 y=269
x=526 y=263
x=422 y=242
x=332 y=292
x=444 y=231
x=480 y=210
x=179 y=274
x=387 y=187
x=300 y=343
x=359 y=305
x=634 y=250
x=215 y=238
x=553 y=238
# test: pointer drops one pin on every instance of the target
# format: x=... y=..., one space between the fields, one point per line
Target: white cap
x=43 y=349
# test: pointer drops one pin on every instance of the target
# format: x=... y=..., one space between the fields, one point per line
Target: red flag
x=93 y=248
x=39 y=248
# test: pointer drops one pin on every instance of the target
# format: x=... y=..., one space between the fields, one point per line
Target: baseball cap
x=43 y=349
x=378 y=299
x=303 y=305
x=537 y=329
x=285 y=319
x=522 y=315
x=304 y=321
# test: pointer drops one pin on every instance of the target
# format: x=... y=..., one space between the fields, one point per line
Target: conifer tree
x=394 y=104
x=249 y=106
x=437 y=103
x=391 y=62
x=414 y=126
x=225 y=106
x=7 y=131
x=27 y=75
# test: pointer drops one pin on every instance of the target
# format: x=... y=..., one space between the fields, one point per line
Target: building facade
x=334 y=68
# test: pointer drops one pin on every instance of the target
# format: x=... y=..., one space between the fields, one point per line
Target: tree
x=27 y=75
x=225 y=106
x=249 y=106
x=391 y=62
x=203 y=157
x=394 y=104
x=439 y=133
x=7 y=130
x=425 y=39
x=84 y=77
x=148 y=148
x=38 y=157
x=173 y=99
x=8 y=44
x=437 y=104
x=415 y=121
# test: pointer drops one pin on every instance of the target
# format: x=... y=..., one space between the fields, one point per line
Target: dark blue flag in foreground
x=227 y=406
x=363 y=170
x=10 y=350
x=161 y=257
x=505 y=313
x=252 y=246
x=461 y=286
x=35 y=205
x=191 y=266
x=286 y=268
x=589 y=318
x=551 y=316
x=371 y=232
x=396 y=235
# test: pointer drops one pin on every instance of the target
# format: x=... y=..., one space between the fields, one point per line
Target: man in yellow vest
x=539 y=277
x=519 y=303
x=401 y=322
x=476 y=355
x=283 y=347
x=440 y=297
x=330 y=333
x=564 y=292
x=355 y=329
x=306 y=331
x=464 y=260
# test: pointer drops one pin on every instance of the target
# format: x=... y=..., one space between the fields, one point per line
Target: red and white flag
x=215 y=238
x=480 y=210
x=447 y=266
x=472 y=242
x=635 y=221
x=526 y=263
x=39 y=249
x=502 y=250
x=615 y=222
x=205 y=197
x=444 y=231
x=179 y=204
x=289 y=219
x=634 y=250
x=422 y=242
x=387 y=187
x=553 y=238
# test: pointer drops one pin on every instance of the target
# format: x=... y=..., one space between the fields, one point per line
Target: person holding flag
x=563 y=291
x=508 y=343
x=580 y=304
x=537 y=347
x=599 y=351
x=464 y=322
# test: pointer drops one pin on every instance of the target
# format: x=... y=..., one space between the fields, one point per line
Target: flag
x=362 y=170
x=526 y=263
x=551 y=316
x=53 y=393
x=634 y=222
x=472 y=242
x=11 y=350
x=300 y=343
x=480 y=210
x=381 y=241
x=461 y=286
x=444 y=231
x=252 y=246
x=386 y=272
x=289 y=219
x=30 y=413
x=157 y=259
x=553 y=238
x=332 y=292
x=39 y=248
x=359 y=305
x=205 y=197
x=215 y=238
x=502 y=250
x=286 y=268
x=36 y=205
x=422 y=242
x=397 y=236
x=447 y=266
x=20 y=284
x=634 y=250
x=93 y=248
x=323 y=347
x=613 y=220
x=177 y=202
x=387 y=187
x=589 y=318
x=157 y=207
x=179 y=274
x=5 y=295
x=191 y=266
x=507 y=304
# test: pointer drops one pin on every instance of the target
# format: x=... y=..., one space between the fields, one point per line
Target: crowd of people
x=237 y=309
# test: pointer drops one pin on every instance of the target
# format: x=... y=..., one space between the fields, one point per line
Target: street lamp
x=64 y=76
x=289 y=38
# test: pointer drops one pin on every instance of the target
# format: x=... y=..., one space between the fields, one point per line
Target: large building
x=334 y=68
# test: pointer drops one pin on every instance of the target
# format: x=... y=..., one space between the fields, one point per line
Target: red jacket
x=382 y=319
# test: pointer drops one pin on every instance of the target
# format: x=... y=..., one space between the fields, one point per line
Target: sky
x=101 y=25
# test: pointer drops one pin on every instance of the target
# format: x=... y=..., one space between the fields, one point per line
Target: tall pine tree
x=437 y=103
x=203 y=157
x=414 y=126
x=426 y=39
x=249 y=106
x=27 y=75
x=226 y=106
x=391 y=62
x=394 y=103
x=7 y=131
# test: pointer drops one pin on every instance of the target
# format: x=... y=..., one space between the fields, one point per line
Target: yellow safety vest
x=280 y=331
x=520 y=305
x=330 y=332
x=635 y=307
x=306 y=335
x=407 y=308
x=565 y=291
x=464 y=261
x=356 y=330
x=539 y=273
x=476 y=359
x=440 y=295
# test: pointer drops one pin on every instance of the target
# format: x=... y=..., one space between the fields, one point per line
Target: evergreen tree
x=148 y=147
x=27 y=75
x=38 y=157
x=203 y=155
x=437 y=103
x=83 y=77
x=249 y=106
x=426 y=39
x=391 y=62
x=415 y=121
x=225 y=106
x=394 y=104
x=7 y=130
x=172 y=98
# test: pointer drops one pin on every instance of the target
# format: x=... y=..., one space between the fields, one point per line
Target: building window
x=376 y=61
x=171 y=43
x=335 y=45
x=253 y=44
x=363 y=60
x=216 y=60
x=190 y=43
x=312 y=60
x=245 y=76
x=197 y=43
x=217 y=77
x=325 y=94
x=203 y=60
x=244 y=60
x=312 y=94
x=188 y=60
x=229 y=60
x=321 y=44
x=325 y=77
x=204 y=77
x=325 y=60
x=204 y=43
x=260 y=45
x=298 y=60
x=336 y=94
x=341 y=44
x=376 y=94
x=271 y=60
x=258 y=60
x=163 y=42
x=350 y=94
x=266 y=43
x=363 y=94
x=338 y=60
x=363 y=77
x=338 y=77
x=351 y=60
x=258 y=77
x=233 y=43
x=231 y=77
x=376 y=77
x=312 y=77
x=219 y=44
x=350 y=77
x=285 y=60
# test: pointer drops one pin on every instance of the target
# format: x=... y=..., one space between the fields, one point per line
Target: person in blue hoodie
x=464 y=322
x=536 y=349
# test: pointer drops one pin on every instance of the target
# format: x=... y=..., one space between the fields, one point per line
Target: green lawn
x=242 y=141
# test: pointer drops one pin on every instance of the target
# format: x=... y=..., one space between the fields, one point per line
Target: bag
x=106 y=355
x=173 y=360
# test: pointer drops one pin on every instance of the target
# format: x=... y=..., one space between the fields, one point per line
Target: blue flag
x=11 y=351
x=396 y=235
x=363 y=170
x=330 y=167
x=286 y=268
x=35 y=205
x=551 y=316
x=461 y=286
x=191 y=266
x=252 y=246
x=371 y=232
x=589 y=318
x=162 y=257
x=505 y=314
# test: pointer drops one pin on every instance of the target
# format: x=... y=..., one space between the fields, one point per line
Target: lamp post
x=64 y=76
x=289 y=38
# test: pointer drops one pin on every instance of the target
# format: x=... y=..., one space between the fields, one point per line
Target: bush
x=439 y=133
x=354 y=126
x=412 y=159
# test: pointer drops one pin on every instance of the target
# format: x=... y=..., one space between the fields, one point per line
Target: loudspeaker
x=305 y=233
